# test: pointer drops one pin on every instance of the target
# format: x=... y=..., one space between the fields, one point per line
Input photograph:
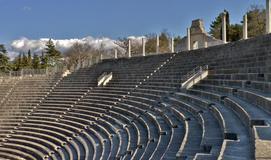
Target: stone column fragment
x=245 y=27
x=188 y=39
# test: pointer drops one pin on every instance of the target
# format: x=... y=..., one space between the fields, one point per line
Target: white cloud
x=24 y=44
x=37 y=46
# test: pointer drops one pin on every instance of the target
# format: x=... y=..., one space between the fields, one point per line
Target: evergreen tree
x=43 y=61
x=216 y=26
x=151 y=43
x=17 y=62
x=29 y=59
x=4 y=59
x=256 y=25
x=236 y=32
x=177 y=41
x=52 y=54
x=36 y=62
x=256 y=21
x=24 y=62
x=164 y=42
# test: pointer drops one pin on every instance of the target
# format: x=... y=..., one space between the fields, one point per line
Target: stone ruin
x=199 y=38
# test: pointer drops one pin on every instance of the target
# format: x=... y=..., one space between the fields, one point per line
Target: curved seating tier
x=142 y=113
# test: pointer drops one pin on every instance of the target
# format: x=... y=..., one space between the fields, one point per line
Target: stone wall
x=257 y=46
x=199 y=37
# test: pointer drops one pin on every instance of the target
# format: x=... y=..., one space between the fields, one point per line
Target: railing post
x=268 y=16
x=157 y=44
x=101 y=57
x=143 y=47
x=129 y=49
x=172 y=45
x=224 y=28
x=245 y=35
x=116 y=53
x=188 y=39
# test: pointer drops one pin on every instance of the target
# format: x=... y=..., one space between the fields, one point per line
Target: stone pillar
x=268 y=17
x=205 y=44
x=116 y=54
x=129 y=48
x=188 y=39
x=245 y=27
x=157 y=44
x=101 y=58
x=224 y=28
x=172 y=45
x=143 y=47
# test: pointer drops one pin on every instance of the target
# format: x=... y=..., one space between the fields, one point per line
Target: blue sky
x=64 y=19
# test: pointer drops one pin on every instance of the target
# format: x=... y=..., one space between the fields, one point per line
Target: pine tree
x=52 y=53
x=4 y=59
x=256 y=21
x=164 y=42
x=29 y=59
x=43 y=61
x=151 y=43
x=236 y=32
x=216 y=26
x=233 y=31
x=17 y=63
x=36 y=62
x=24 y=61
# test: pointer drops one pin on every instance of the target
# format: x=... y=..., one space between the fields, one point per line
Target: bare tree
x=80 y=54
x=124 y=44
x=136 y=46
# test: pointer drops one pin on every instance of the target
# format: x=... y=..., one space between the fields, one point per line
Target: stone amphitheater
x=149 y=108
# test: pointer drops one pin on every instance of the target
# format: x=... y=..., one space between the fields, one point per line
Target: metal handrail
x=195 y=71
x=108 y=78
x=101 y=76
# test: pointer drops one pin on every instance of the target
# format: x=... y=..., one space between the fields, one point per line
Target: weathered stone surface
x=262 y=142
x=198 y=38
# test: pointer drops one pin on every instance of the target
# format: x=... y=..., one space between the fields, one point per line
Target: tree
x=44 y=60
x=164 y=42
x=177 y=41
x=256 y=21
x=17 y=62
x=29 y=59
x=4 y=59
x=124 y=44
x=24 y=61
x=136 y=47
x=151 y=43
x=80 y=54
x=236 y=32
x=216 y=26
x=36 y=62
x=52 y=54
x=256 y=25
